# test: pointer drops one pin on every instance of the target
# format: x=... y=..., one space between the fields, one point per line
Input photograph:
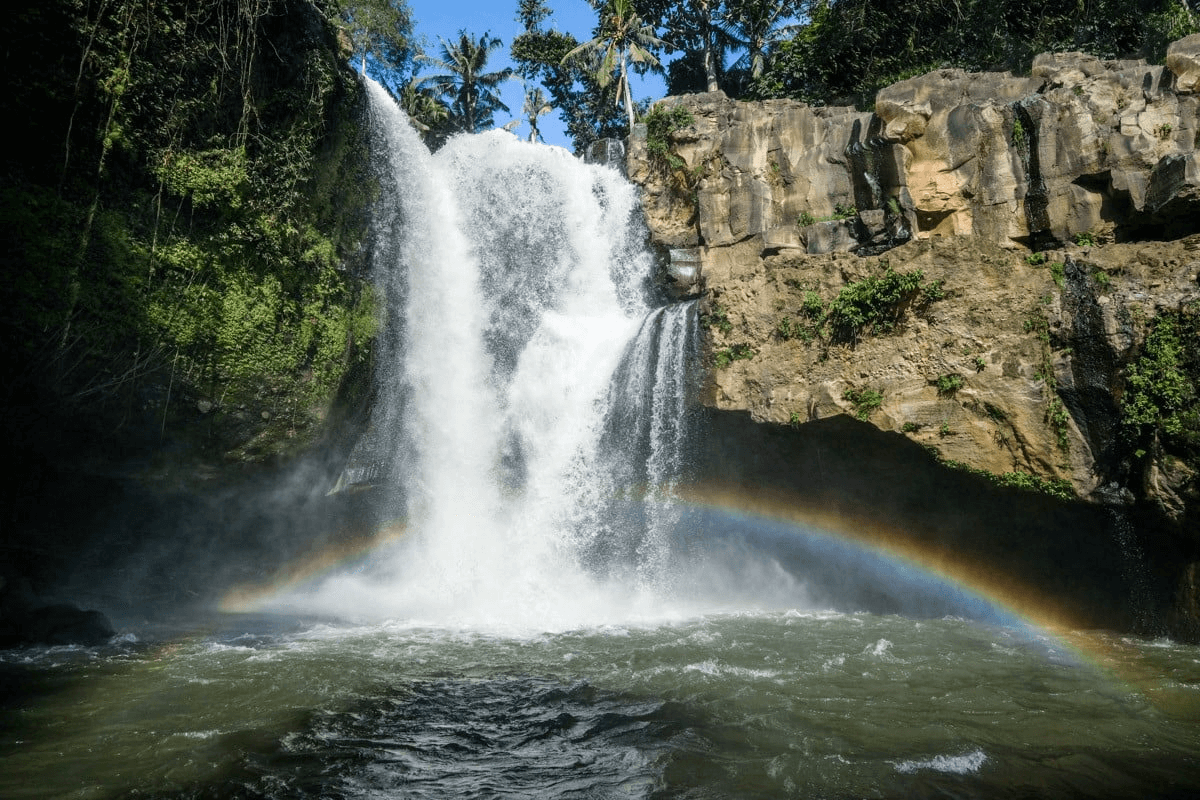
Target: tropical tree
x=623 y=38
x=699 y=23
x=532 y=13
x=754 y=25
x=380 y=34
x=588 y=110
x=427 y=113
x=846 y=50
x=535 y=105
x=463 y=80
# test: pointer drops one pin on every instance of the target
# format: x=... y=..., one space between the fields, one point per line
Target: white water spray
x=514 y=280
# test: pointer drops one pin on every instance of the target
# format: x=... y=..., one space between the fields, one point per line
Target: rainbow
x=1016 y=602
x=311 y=568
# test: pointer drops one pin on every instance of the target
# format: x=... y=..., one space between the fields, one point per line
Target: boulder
x=1183 y=59
x=25 y=620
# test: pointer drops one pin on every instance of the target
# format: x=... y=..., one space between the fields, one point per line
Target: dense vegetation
x=1160 y=408
x=849 y=49
x=181 y=205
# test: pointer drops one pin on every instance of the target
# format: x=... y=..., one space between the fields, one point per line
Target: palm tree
x=463 y=81
x=536 y=104
x=623 y=37
x=429 y=115
x=700 y=17
x=755 y=24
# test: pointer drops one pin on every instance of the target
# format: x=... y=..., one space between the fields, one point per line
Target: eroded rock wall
x=1080 y=146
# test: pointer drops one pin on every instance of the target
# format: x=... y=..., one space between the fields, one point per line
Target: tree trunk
x=628 y=94
x=710 y=51
x=710 y=65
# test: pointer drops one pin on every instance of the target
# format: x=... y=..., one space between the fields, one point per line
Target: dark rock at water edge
x=25 y=620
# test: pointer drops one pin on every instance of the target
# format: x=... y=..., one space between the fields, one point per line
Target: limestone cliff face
x=1009 y=371
x=1049 y=220
x=1082 y=145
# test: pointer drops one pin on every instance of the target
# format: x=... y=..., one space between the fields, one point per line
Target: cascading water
x=646 y=438
x=515 y=286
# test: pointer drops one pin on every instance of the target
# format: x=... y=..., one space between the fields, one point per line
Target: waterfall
x=647 y=434
x=518 y=340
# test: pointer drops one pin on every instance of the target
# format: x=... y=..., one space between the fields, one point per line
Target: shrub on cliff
x=1161 y=402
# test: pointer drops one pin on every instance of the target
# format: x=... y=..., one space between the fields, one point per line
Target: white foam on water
x=966 y=764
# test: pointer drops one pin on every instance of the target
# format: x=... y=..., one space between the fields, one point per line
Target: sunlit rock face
x=1080 y=145
x=1060 y=213
x=1183 y=59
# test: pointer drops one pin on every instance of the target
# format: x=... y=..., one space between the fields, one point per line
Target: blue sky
x=445 y=18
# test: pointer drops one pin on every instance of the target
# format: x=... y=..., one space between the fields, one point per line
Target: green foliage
x=794 y=419
x=381 y=37
x=1057 y=272
x=840 y=212
x=1102 y=279
x=1036 y=322
x=738 y=352
x=947 y=385
x=206 y=178
x=1058 y=419
x=874 y=303
x=788 y=328
x=1018 y=134
x=812 y=307
x=718 y=317
x=1035 y=259
x=196 y=227
x=864 y=401
x=980 y=364
x=910 y=427
x=1017 y=479
x=661 y=122
x=1162 y=386
x=473 y=93
x=934 y=291
x=1085 y=239
x=623 y=40
x=589 y=110
x=1171 y=22
x=845 y=51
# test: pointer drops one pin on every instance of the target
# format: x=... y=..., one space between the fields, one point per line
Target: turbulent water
x=555 y=620
x=764 y=704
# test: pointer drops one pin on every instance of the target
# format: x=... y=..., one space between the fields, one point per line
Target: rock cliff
x=1003 y=269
